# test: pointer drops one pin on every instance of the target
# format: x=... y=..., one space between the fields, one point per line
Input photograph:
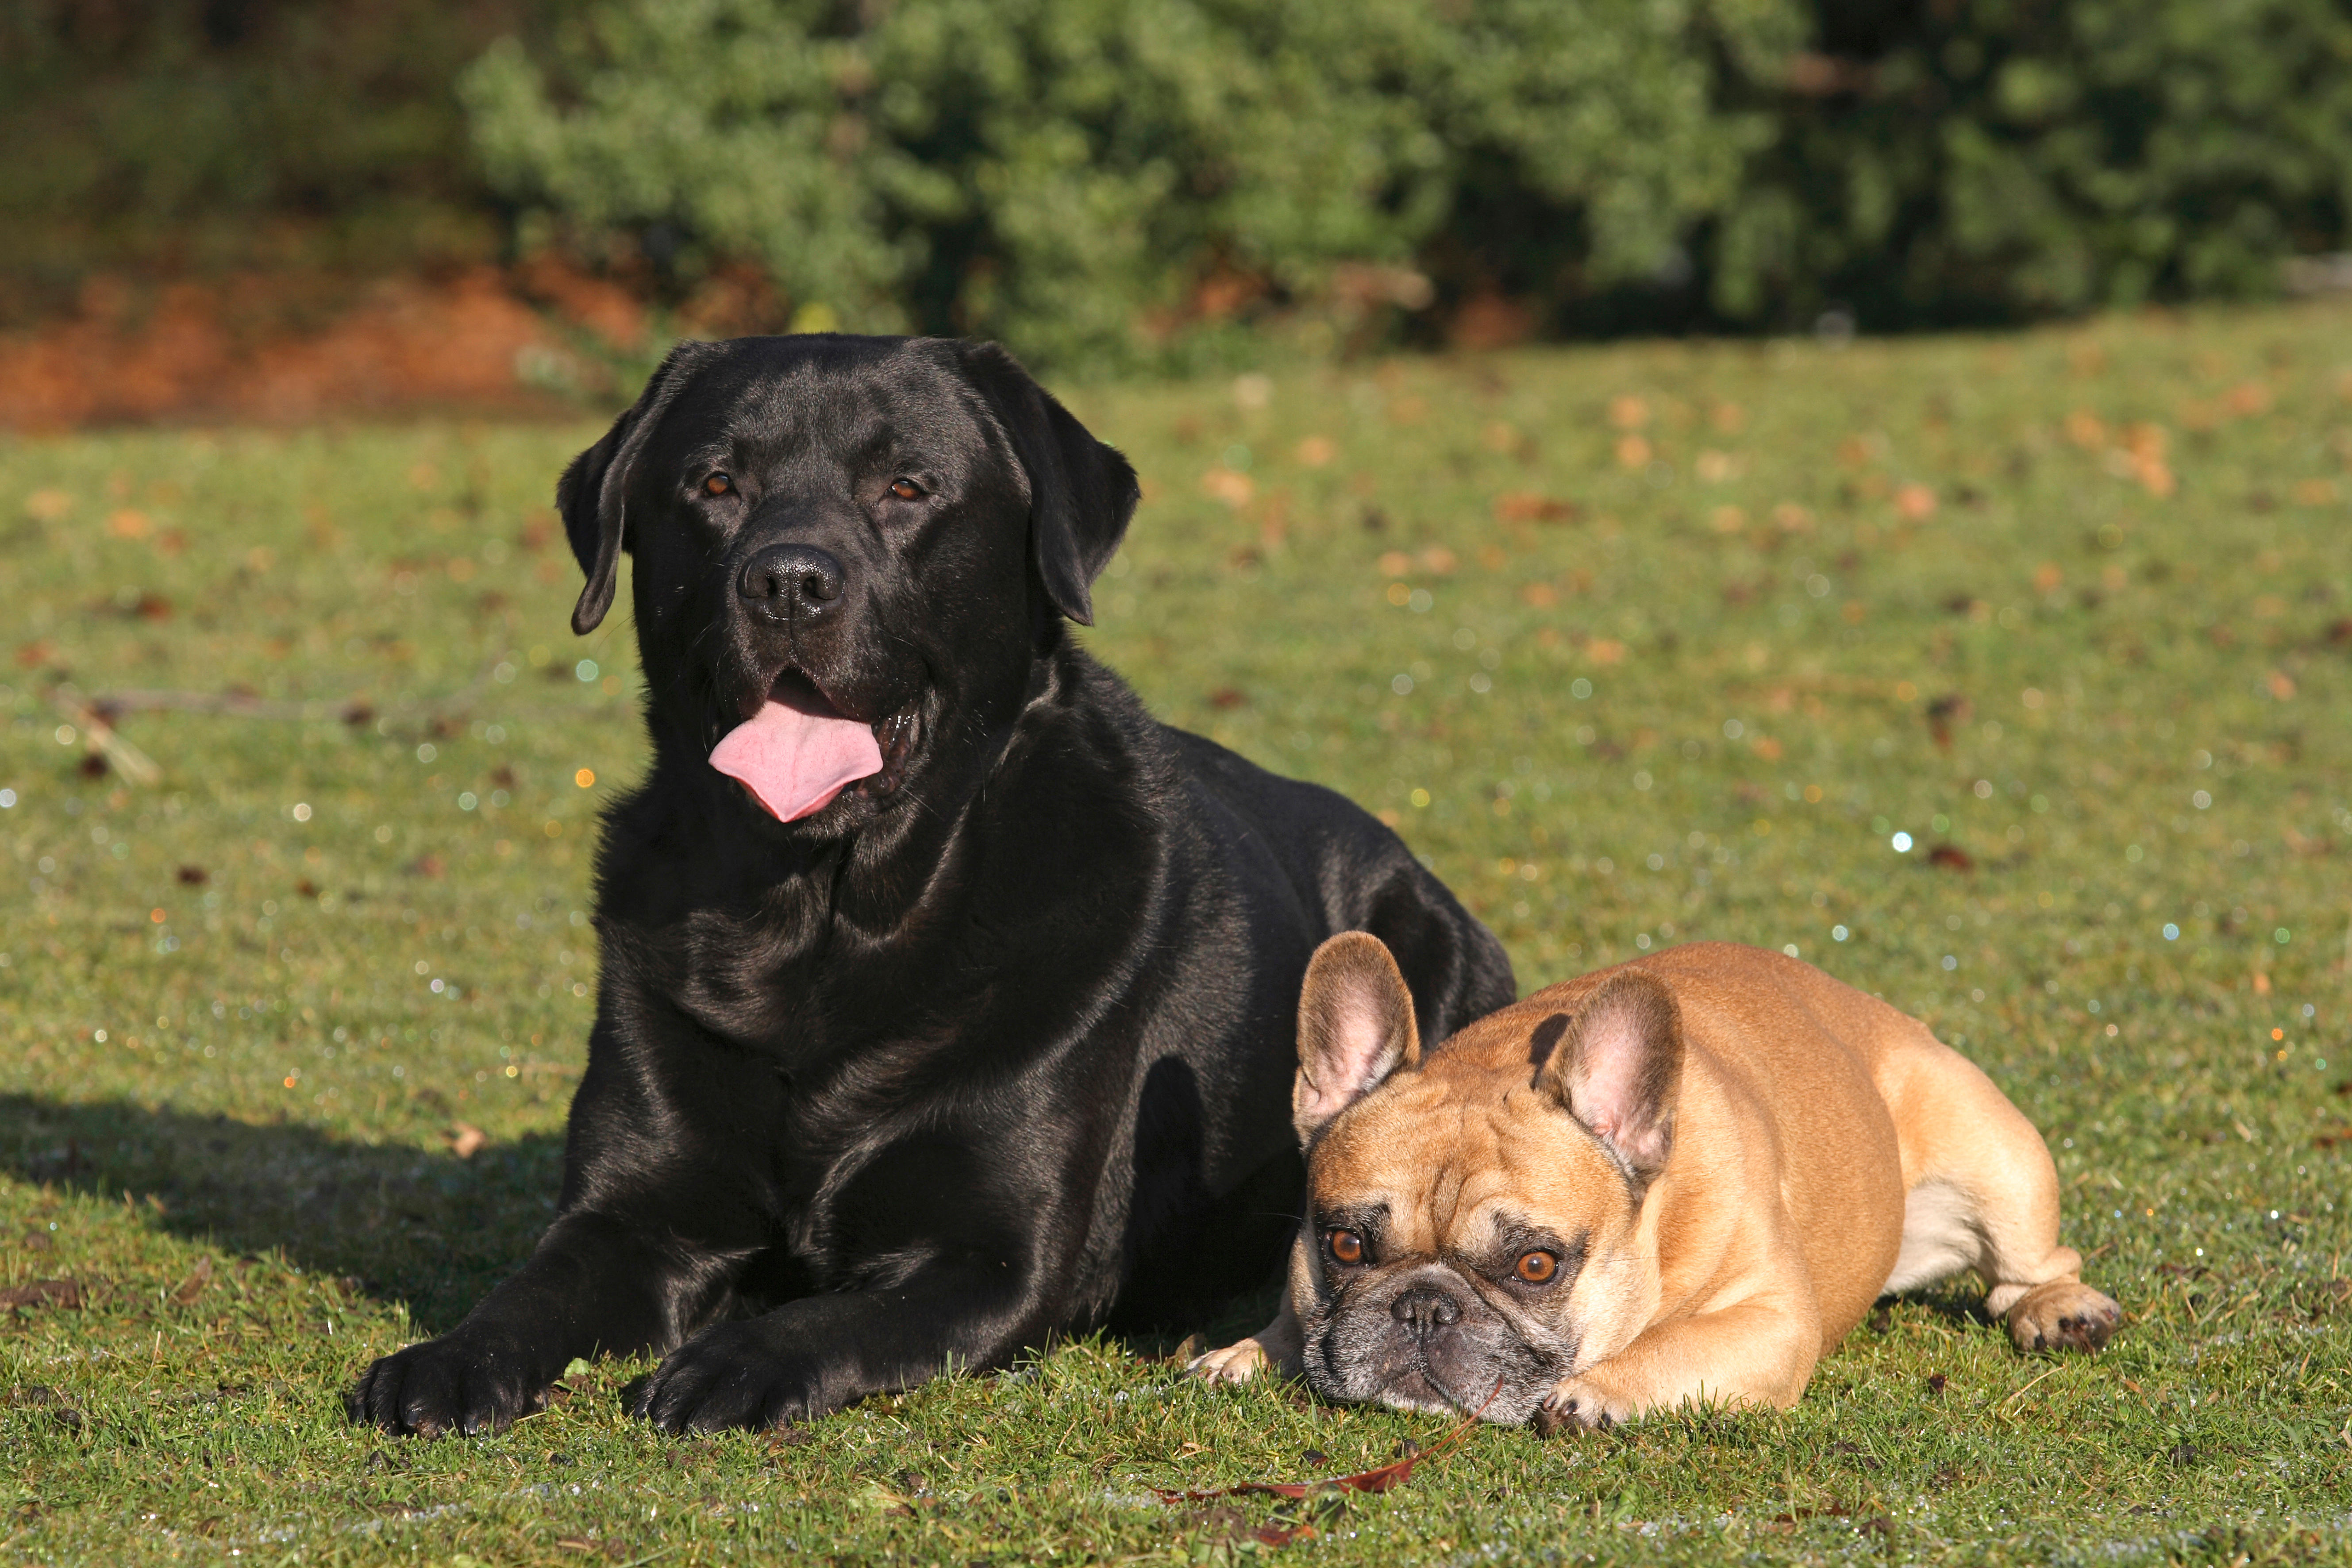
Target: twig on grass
x=2021 y=1393
x=127 y=759
x=95 y=715
x=237 y=703
x=1376 y=1480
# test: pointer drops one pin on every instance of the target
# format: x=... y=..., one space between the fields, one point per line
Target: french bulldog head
x=1474 y=1227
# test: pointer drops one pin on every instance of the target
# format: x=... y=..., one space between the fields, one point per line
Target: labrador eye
x=1347 y=1247
x=718 y=485
x=906 y=490
x=1536 y=1267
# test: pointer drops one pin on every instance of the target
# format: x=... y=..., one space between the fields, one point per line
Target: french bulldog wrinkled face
x=1472 y=1237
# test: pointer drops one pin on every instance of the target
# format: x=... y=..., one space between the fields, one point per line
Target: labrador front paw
x=734 y=1375
x=1237 y=1363
x=454 y=1383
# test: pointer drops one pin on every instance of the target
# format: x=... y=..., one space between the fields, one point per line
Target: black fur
x=998 y=1043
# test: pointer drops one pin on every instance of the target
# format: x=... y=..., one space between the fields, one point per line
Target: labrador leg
x=645 y=1248
x=810 y=1357
x=594 y=1287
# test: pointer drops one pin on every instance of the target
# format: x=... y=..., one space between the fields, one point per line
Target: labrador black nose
x=1426 y=1309
x=784 y=577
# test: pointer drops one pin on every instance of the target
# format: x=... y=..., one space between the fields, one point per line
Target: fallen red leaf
x=1524 y=506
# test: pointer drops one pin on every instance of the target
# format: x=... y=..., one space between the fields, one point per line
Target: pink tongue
x=796 y=758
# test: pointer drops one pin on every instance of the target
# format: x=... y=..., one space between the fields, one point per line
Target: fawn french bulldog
x=1681 y=1179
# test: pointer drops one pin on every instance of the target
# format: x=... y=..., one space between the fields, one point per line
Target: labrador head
x=849 y=555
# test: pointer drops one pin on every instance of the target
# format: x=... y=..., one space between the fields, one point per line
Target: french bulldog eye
x=718 y=485
x=906 y=490
x=1536 y=1267
x=1347 y=1247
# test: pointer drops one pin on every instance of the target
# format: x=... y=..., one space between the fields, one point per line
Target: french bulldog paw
x=2064 y=1315
x=1237 y=1363
x=1579 y=1404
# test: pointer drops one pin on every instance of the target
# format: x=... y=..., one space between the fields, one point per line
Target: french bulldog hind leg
x=1987 y=1198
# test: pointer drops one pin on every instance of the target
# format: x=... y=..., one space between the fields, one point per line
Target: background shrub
x=227 y=132
x=1109 y=182
x=1958 y=161
x=1085 y=177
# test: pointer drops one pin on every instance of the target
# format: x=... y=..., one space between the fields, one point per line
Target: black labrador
x=947 y=998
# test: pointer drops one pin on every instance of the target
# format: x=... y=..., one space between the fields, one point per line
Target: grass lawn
x=1635 y=645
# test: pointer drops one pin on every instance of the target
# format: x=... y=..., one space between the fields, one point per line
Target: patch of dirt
x=279 y=349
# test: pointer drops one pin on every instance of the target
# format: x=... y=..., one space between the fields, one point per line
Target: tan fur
x=1825 y=1149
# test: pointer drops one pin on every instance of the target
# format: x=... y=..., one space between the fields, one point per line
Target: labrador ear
x=1081 y=492
x=593 y=494
x=1618 y=1068
x=1355 y=1029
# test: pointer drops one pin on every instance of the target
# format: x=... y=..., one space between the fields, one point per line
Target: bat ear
x=1618 y=1068
x=593 y=494
x=1082 y=493
x=1355 y=1029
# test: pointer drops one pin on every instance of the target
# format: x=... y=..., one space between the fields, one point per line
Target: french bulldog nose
x=1426 y=1309
x=784 y=578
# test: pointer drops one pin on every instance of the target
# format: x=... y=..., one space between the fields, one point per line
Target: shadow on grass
x=428 y=1229
x=1959 y=1302
x=420 y=1227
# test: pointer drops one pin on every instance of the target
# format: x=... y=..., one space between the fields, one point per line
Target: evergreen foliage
x=1069 y=175
x=1979 y=159
x=1112 y=183
x=232 y=131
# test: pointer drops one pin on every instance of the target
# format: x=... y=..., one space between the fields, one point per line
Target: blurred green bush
x=1975 y=161
x=1132 y=182
x=197 y=134
x=1089 y=178
x=1100 y=179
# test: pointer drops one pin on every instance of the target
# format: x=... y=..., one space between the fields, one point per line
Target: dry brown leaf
x=194 y=1285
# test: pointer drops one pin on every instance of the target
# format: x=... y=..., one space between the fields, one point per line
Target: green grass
x=222 y=1045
